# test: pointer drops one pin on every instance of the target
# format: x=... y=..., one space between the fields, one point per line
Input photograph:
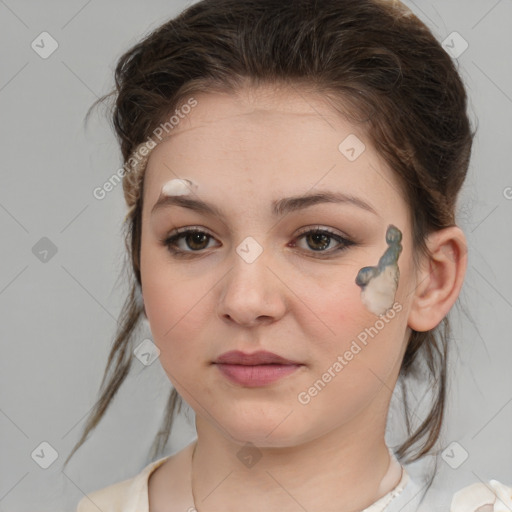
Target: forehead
x=281 y=137
x=257 y=115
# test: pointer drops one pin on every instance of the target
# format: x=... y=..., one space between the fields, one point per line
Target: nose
x=253 y=293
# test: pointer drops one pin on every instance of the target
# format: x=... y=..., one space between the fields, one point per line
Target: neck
x=344 y=470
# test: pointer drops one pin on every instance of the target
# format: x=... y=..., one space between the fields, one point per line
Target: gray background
x=59 y=316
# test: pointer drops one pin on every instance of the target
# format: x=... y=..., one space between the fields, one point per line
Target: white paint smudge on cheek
x=379 y=284
x=379 y=294
x=179 y=187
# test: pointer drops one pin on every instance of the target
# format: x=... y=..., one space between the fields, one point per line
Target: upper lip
x=254 y=358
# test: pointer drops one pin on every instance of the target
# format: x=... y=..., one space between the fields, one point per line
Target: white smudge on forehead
x=178 y=187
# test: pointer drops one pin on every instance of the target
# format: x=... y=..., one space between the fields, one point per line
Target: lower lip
x=256 y=375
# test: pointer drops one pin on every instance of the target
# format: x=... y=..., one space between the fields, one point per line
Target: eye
x=186 y=241
x=183 y=238
x=320 y=239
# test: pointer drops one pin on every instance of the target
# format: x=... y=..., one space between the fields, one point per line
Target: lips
x=255 y=358
x=256 y=369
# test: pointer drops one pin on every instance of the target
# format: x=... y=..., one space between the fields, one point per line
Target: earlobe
x=440 y=279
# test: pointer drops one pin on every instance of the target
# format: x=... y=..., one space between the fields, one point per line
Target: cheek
x=334 y=309
x=173 y=307
x=175 y=315
x=365 y=342
x=176 y=325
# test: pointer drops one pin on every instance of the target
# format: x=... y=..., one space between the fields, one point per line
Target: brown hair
x=376 y=62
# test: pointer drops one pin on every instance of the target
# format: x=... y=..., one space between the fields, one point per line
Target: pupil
x=196 y=238
x=317 y=237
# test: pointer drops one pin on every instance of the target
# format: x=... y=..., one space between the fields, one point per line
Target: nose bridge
x=250 y=274
x=251 y=290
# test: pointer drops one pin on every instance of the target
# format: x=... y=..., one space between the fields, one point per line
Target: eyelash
x=170 y=241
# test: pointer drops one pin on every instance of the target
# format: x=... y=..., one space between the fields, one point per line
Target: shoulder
x=491 y=496
x=118 y=497
x=108 y=499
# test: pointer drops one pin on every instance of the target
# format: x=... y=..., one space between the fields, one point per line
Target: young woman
x=291 y=173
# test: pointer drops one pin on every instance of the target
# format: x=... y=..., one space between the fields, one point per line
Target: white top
x=131 y=495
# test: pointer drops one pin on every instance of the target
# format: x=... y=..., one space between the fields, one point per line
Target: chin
x=263 y=432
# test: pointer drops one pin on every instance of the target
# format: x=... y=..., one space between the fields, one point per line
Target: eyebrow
x=279 y=207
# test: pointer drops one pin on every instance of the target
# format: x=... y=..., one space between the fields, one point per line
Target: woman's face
x=256 y=280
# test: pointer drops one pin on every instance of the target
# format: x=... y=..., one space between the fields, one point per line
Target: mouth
x=256 y=369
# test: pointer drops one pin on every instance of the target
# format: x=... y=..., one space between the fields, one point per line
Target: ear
x=440 y=278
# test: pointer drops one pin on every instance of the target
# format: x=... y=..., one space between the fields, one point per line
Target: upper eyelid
x=319 y=227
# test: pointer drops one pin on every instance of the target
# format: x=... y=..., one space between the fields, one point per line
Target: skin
x=244 y=151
